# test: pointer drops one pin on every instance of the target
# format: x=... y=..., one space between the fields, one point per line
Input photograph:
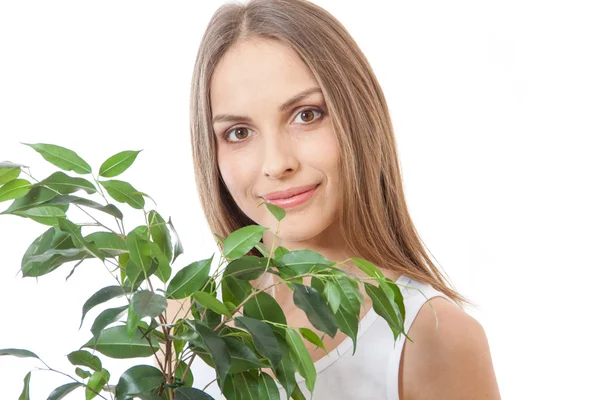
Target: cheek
x=237 y=173
x=323 y=153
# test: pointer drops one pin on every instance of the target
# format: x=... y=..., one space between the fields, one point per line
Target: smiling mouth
x=295 y=200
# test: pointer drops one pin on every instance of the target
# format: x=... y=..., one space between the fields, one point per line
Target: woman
x=286 y=109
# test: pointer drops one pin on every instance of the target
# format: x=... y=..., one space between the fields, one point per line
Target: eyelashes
x=228 y=133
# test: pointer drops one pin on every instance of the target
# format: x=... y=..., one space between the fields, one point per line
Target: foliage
x=233 y=325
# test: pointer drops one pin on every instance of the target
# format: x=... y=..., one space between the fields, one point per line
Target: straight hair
x=373 y=216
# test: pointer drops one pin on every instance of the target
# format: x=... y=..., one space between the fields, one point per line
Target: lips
x=289 y=193
x=291 y=197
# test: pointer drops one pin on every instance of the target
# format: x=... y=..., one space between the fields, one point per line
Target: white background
x=496 y=111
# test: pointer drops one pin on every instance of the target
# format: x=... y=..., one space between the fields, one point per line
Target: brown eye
x=237 y=134
x=308 y=115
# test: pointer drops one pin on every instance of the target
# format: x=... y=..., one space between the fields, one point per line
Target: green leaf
x=160 y=233
x=217 y=348
x=303 y=261
x=301 y=358
x=46 y=215
x=21 y=353
x=318 y=312
x=14 y=189
x=246 y=385
x=95 y=383
x=108 y=242
x=140 y=250
x=332 y=295
x=399 y=301
x=123 y=259
x=153 y=325
x=83 y=374
x=241 y=241
x=115 y=343
x=189 y=279
x=211 y=302
x=8 y=174
x=134 y=273
x=349 y=299
x=133 y=320
x=246 y=268
x=164 y=268
x=85 y=359
x=189 y=378
x=36 y=196
x=347 y=322
x=118 y=163
x=51 y=239
x=61 y=391
x=235 y=290
x=110 y=209
x=65 y=184
x=185 y=393
x=368 y=268
x=123 y=192
x=102 y=296
x=383 y=307
x=177 y=246
x=312 y=337
x=68 y=253
x=285 y=370
x=242 y=356
x=147 y=304
x=267 y=388
x=106 y=318
x=264 y=307
x=279 y=252
x=75 y=232
x=297 y=394
x=62 y=157
x=138 y=379
x=25 y=393
x=210 y=317
x=317 y=284
x=278 y=212
x=228 y=388
x=260 y=246
x=263 y=337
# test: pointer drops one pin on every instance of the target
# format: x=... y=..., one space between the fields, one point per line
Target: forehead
x=257 y=72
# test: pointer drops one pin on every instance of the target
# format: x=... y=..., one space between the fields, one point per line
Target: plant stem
x=208 y=384
x=270 y=255
x=121 y=228
x=188 y=367
x=69 y=376
x=253 y=294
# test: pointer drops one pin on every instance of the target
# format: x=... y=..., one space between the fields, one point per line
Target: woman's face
x=274 y=134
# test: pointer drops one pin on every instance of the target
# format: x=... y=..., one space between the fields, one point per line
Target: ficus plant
x=234 y=326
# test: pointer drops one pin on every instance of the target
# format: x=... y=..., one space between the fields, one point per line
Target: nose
x=280 y=158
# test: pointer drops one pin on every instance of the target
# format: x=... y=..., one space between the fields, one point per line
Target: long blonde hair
x=373 y=215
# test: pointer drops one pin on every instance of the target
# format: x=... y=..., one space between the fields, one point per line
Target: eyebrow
x=293 y=100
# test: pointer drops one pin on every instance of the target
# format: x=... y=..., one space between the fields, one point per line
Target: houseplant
x=236 y=328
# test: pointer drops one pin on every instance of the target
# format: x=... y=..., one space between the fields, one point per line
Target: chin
x=299 y=232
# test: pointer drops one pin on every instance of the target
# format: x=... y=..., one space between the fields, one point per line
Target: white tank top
x=372 y=372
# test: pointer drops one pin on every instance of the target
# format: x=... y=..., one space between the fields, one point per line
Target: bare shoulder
x=450 y=362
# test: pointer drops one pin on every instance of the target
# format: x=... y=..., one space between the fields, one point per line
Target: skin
x=278 y=150
x=272 y=149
